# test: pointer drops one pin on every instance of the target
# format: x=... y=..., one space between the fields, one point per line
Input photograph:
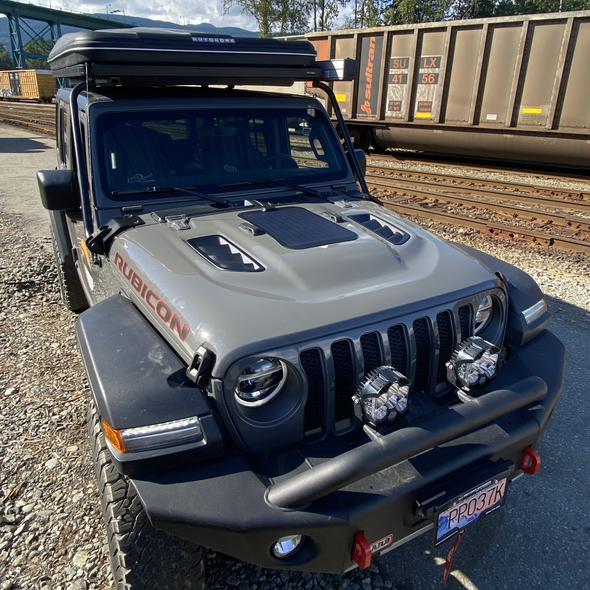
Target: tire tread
x=142 y=557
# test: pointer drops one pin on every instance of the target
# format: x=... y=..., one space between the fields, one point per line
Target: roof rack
x=163 y=57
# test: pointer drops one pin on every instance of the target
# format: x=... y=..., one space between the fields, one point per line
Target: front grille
x=419 y=348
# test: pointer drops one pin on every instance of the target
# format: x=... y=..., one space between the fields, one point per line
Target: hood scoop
x=225 y=255
x=297 y=228
x=380 y=227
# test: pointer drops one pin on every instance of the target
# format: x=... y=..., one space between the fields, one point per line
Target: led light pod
x=382 y=396
x=473 y=364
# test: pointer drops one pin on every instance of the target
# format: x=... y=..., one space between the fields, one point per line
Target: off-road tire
x=70 y=286
x=142 y=557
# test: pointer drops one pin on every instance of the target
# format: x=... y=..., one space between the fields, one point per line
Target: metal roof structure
x=19 y=13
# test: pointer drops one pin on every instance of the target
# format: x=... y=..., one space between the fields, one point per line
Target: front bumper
x=242 y=509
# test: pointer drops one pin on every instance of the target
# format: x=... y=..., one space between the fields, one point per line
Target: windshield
x=143 y=153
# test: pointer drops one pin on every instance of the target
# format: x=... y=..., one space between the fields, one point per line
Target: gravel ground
x=51 y=531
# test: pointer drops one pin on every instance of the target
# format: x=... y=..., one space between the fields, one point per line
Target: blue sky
x=179 y=11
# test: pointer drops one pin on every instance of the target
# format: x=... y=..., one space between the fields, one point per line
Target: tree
x=370 y=13
x=274 y=16
x=5 y=59
x=467 y=9
x=415 y=11
x=323 y=13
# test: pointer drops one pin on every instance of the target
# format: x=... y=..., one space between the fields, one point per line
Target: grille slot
x=465 y=322
x=344 y=380
x=399 y=348
x=371 y=351
x=423 y=354
x=314 y=408
x=446 y=344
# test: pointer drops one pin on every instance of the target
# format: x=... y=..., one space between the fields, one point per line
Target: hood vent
x=225 y=255
x=380 y=227
x=297 y=228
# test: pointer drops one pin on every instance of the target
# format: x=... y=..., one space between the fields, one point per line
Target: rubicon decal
x=145 y=292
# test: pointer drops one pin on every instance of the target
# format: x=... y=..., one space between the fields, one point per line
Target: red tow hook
x=361 y=551
x=530 y=462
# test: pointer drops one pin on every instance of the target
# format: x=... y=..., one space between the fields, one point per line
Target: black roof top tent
x=147 y=57
x=161 y=57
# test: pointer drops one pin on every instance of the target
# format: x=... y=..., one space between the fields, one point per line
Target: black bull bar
x=391 y=449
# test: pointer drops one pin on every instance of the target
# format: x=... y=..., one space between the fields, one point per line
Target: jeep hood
x=287 y=295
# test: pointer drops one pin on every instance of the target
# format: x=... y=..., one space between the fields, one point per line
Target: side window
x=62 y=137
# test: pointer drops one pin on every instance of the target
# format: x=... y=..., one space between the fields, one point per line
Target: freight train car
x=514 y=87
x=38 y=85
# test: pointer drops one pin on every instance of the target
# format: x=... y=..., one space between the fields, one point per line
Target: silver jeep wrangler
x=281 y=369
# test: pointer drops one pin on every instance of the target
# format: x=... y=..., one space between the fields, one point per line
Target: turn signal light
x=113 y=436
x=361 y=551
x=530 y=462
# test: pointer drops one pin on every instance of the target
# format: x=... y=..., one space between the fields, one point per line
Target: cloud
x=179 y=11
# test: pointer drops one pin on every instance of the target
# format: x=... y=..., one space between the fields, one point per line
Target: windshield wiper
x=281 y=182
x=152 y=190
x=250 y=182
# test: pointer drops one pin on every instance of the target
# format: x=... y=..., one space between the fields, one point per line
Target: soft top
x=151 y=57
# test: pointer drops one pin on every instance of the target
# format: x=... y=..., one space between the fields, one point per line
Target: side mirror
x=57 y=188
x=362 y=158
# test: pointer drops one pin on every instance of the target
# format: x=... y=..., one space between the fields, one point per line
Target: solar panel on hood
x=297 y=228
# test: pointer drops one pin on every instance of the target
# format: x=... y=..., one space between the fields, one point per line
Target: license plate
x=468 y=508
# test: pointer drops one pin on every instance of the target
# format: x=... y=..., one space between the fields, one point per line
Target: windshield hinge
x=201 y=366
x=101 y=240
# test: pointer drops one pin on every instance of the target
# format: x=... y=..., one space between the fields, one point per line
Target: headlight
x=473 y=364
x=382 y=396
x=261 y=381
x=484 y=314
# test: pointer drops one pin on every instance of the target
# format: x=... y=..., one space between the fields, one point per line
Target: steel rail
x=454 y=182
x=568 y=221
x=492 y=167
x=493 y=229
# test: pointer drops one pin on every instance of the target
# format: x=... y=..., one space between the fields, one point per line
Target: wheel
x=142 y=557
x=70 y=286
x=361 y=138
x=377 y=148
x=291 y=161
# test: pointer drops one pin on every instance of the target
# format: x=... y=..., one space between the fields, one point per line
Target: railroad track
x=38 y=117
x=528 y=211
x=532 y=213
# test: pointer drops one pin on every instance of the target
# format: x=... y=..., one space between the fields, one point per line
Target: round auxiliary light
x=484 y=313
x=473 y=364
x=288 y=545
x=261 y=381
x=382 y=396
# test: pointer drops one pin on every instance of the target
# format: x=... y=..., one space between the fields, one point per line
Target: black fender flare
x=523 y=292
x=137 y=380
x=59 y=226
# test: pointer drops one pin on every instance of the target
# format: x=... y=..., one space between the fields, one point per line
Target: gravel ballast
x=51 y=531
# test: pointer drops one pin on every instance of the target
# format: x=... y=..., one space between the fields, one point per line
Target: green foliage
x=5 y=60
x=38 y=46
x=274 y=16
x=415 y=11
x=467 y=9
x=284 y=17
x=323 y=12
